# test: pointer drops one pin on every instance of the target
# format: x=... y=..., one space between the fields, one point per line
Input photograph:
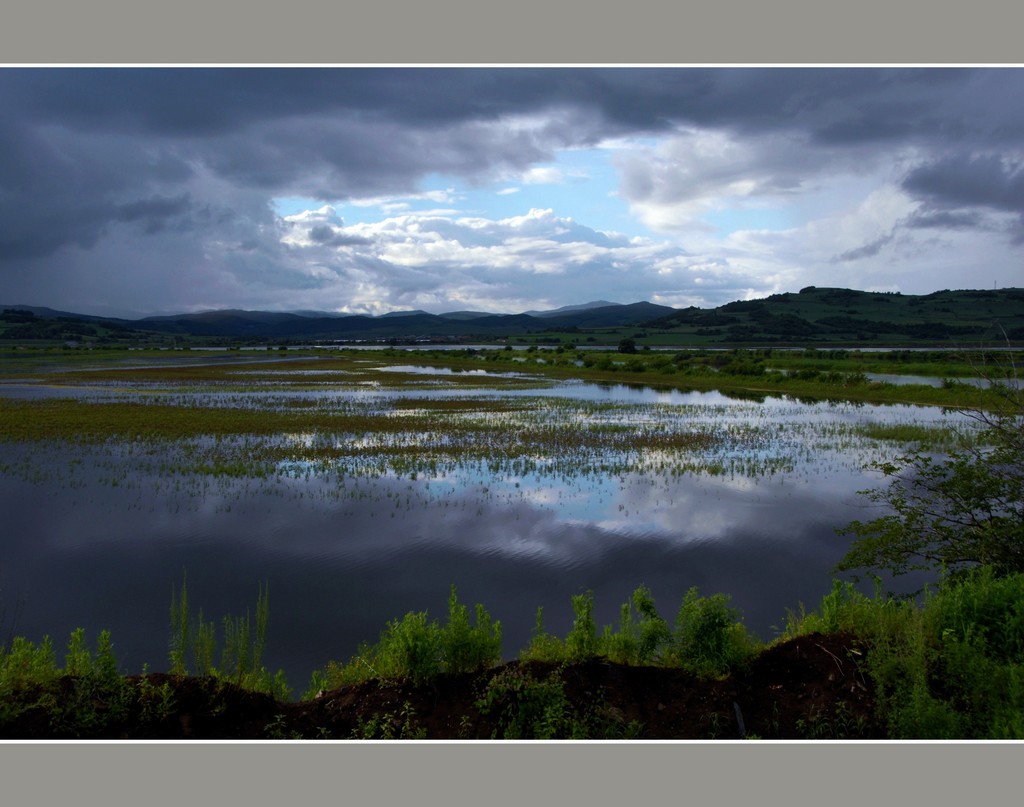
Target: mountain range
x=239 y=324
x=826 y=315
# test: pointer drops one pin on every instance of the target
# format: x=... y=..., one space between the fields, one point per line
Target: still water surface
x=79 y=549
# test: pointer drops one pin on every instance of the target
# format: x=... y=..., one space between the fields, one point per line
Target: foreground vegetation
x=948 y=665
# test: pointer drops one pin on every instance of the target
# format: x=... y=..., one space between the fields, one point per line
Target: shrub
x=416 y=647
x=410 y=648
x=543 y=645
x=709 y=638
x=640 y=636
x=953 y=513
x=527 y=708
x=581 y=641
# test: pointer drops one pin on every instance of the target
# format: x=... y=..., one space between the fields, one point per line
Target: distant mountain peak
x=567 y=309
x=466 y=314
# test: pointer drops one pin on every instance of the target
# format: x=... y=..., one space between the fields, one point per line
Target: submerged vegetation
x=350 y=414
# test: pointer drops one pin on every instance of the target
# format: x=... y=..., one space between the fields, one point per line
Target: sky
x=131 y=191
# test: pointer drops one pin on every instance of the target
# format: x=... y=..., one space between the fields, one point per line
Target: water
x=935 y=381
x=98 y=536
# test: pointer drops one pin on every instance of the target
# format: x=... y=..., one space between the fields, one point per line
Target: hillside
x=812 y=316
x=32 y=325
x=845 y=315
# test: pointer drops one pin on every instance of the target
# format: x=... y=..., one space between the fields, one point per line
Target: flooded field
x=362 y=486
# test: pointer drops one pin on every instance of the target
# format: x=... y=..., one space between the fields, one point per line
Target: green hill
x=833 y=315
x=813 y=316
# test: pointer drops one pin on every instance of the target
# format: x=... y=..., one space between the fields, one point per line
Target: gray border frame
x=527 y=32
x=498 y=774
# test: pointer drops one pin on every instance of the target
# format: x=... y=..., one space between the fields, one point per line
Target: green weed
x=947 y=667
x=418 y=648
x=543 y=646
x=399 y=725
x=468 y=648
x=194 y=644
x=642 y=632
x=709 y=638
x=838 y=723
x=581 y=641
x=527 y=707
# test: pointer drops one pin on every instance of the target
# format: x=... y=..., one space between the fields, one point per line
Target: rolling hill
x=811 y=316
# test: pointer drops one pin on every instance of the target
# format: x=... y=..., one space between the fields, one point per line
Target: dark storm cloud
x=963 y=180
x=945 y=220
x=327 y=236
x=836 y=104
x=154 y=213
x=94 y=155
x=322 y=234
x=869 y=250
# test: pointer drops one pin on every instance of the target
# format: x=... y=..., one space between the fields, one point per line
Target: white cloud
x=404 y=201
x=440 y=262
x=687 y=181
x=322 y=215
x=543 y=175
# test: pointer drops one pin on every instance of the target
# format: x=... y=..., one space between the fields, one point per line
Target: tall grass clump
x=465 y=647
x=845 y=609
x=193 y=646
x=419 y=648
x=87 y=697
x=543 y=646
x=24 y=663
x=642 y=632
x=949 y=667
x=709 y=638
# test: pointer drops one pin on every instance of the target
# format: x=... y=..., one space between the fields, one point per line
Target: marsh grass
x=194 y=643
x=708 y=638
x=550 y=435
x=86 y=697
x=417 y=647
x=296 y=418
x=923 y=437
x=948 y=667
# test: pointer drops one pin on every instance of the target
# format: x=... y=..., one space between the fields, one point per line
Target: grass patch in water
x=925 y=437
